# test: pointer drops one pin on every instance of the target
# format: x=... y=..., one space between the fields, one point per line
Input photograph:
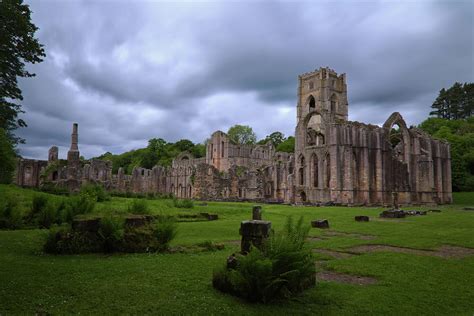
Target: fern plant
x=283 y=267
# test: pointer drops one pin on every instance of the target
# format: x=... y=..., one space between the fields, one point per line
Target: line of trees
x=454 y=103
x=18 y=47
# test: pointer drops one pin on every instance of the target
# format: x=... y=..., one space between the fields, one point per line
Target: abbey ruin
x=335 y=160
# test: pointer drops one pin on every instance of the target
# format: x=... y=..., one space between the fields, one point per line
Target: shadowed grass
x=32 y=282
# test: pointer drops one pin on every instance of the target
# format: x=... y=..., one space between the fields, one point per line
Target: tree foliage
x=460 y=134
x=280 y=142
x=276 y=138
x=242 y=134
x=288 y=145
x=454 y=103
x=158 y=152
x=7 y=158
x=18 y=46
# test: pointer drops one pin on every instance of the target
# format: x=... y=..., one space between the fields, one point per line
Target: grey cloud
x=130 y=71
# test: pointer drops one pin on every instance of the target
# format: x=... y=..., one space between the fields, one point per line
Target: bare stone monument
x=257 y=213
x=255 y=231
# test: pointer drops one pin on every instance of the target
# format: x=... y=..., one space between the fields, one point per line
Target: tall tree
x=276 y=138
x=455 y=103
x=18 y=46
x=242 y=134
x=7 y=158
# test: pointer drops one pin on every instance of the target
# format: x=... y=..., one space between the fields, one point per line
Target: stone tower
x=73 y=153
x=322 y=101
x=322 y=91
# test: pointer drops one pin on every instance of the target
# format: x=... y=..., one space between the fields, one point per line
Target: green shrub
x=10 y=216
x=165 y=230
x=78 y=204
x=38 y=203
x=49 y=215
x=283 y=267
x=183 y=203
x=139 y=207
x=96 y=191
x=111 y=232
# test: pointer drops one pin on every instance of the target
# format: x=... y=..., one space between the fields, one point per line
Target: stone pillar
x=257 y=212
x=73 y=153
x=253 y=232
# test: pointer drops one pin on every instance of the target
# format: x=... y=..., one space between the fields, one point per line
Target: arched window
x=315 y=171
x=312 y=103
x=222 y=149
x=334 y=103
x=328 y=171
x=301 y=175
x=301 y=170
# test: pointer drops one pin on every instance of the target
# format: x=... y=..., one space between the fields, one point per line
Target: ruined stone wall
x=335 y=160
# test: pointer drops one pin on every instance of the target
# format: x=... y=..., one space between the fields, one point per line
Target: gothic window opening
x=311 y=85
x=303 y=196
x=315 y=171
x=328 y=171
x=301 y=171
x=334 y=103
x=222 y=149
x=312 y=103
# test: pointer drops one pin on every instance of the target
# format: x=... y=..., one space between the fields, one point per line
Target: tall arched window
x=301 y=170
x=333 y=103
x=315 y=171
x=312 y=103
x=328 y=171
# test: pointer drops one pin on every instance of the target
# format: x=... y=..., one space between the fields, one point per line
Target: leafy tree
x=199 y=150
x=288 y=145
x=242 y=134
x=276 y=138
x=184 y=145
x=454 y=103
x=17 y=47
x=7 y=158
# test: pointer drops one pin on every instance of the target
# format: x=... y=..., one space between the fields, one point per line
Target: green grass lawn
x=33 y=282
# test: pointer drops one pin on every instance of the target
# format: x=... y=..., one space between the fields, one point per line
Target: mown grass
x=32 y=282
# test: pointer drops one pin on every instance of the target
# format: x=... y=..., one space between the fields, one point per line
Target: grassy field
x=180 y=283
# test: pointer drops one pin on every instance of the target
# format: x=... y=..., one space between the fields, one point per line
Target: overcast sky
x=131 y=71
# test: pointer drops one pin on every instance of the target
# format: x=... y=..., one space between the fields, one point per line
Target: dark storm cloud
x=130 y=71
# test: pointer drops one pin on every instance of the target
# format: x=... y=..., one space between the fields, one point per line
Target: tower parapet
x=323 y=91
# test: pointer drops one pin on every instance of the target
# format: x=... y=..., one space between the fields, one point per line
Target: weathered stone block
x=137 y=220
x=254 y=233
x=257 y=213
x=392 y=214
x=86 y=225
x=361 y=218
x=320 y=223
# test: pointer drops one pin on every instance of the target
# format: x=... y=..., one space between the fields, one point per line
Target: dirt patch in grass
x=354 y=235
x=332 y=276
x=334 y=254
x=442 y=252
